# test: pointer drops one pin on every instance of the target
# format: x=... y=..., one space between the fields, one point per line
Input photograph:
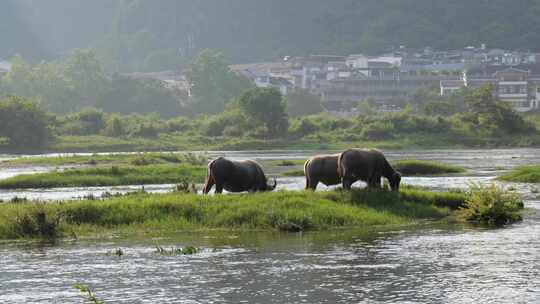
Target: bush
x=378 y=131
x=24 y=123
x=491 y=205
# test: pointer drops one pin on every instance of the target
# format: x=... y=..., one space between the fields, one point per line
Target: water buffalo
x=321 y=168
x=236 y=176
x=368 y=166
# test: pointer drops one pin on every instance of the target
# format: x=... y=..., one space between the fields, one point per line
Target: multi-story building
x=518 y=87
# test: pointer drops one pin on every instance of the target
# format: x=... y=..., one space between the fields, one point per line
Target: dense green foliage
x=423 y=167
x=284 y=210
x=265 y=107
x=80 y=81
x=213 y=83
x=258 y=120
x=24 y=124
x=142 y=35
x=523 y=174
x=491 y=205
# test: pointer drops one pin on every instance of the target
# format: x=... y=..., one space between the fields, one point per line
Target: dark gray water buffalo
x=321 y=168
x=236 y=176
x=368 y=166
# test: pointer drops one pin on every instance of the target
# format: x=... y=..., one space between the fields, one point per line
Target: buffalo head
x=395 y=180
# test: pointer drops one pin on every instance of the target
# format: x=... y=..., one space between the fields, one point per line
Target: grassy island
x=291 y=211
x=523 y=174
x=412 y=167
x=107 y=176
x=284 y=210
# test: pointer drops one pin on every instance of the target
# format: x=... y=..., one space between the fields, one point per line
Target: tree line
x=263 y=114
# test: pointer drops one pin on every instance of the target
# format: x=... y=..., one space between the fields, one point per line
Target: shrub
x=378 y=131
x=491 y=205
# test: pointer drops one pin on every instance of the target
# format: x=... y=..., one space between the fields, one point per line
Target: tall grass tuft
x=491 y=205
x=36 y=223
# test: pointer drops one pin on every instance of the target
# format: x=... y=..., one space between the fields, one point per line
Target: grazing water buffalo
x=236 y=176
x=368 y=166
x=321 y=168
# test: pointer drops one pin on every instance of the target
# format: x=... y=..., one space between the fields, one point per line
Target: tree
x=265 y=106
x=300 y=103
x=24 y=123
x=44 y=82
x=491 y=116
x=114 y=127
x=85 y=74
x=213 y=83
x=126 y=95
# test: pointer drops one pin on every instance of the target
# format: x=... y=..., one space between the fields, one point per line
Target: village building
x=5 y=67
x=518 y=87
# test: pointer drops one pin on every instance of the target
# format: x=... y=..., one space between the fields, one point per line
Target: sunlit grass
x=423 y=167
x=284 y=210
x=523 y=174
x=108 y=176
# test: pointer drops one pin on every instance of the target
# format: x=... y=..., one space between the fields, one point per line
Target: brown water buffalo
x=321 y=168
x=368 y=166
x=236 y=176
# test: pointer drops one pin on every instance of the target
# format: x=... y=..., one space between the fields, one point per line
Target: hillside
x=141 y=35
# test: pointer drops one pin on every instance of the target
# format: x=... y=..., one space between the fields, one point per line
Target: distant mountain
x=15 y=35
x=149 y=35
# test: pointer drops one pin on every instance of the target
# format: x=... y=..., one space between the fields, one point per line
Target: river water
x=433 y=263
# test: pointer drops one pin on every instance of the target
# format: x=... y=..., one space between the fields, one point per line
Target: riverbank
x=320 y=141
x=283 y=210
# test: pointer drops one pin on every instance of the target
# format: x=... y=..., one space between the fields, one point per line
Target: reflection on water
x=438 y=264
x=435 y=264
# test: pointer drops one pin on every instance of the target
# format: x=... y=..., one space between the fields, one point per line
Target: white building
x=516 y=87
x=5 y=67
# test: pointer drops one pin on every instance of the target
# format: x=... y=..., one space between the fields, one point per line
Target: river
x=430 y=263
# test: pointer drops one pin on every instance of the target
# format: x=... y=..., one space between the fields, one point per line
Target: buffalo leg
x=209 y=184
x=311 y=184
x=219 y=188
x=375 y=182
x=347 y=183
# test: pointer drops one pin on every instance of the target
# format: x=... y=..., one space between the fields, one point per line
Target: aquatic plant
x=117 y=252
x=189 y=250
x=491 y=205
x=523 y=174
x=90 y=296
x=36 y=223
x=422 y=167
x=185 y=187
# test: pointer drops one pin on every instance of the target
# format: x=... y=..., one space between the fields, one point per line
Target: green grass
x=299 y=172
x=288 y=162
x=137 y=159
x=523 y=174
x=108 y=176
x=422 y=167
x=284 y=210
